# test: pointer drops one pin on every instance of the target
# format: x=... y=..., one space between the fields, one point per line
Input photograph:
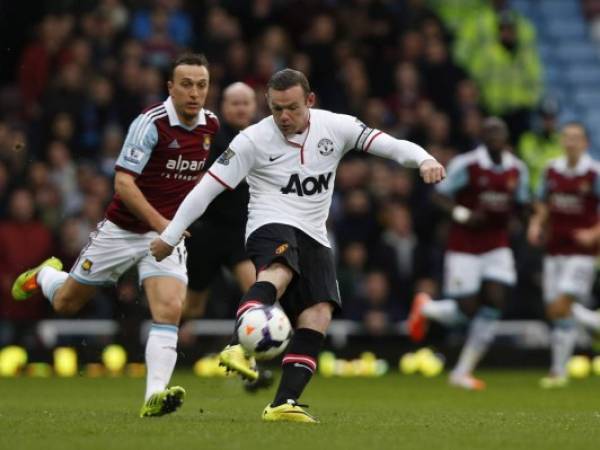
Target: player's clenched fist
x=432 y=171
x=160 y=249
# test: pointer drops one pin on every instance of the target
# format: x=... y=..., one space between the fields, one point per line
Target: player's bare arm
x=192 y=207
x=588 y=237
x=537 y=223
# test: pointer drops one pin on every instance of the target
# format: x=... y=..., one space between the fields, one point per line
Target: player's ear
x=169 y=86
x=310 y=99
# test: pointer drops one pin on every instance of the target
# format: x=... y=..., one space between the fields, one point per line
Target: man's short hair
x=287 y=78
x=190 y=59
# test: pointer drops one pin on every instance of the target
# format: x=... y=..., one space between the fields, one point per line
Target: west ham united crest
x=325 y=147
x=206 y=143
x=87 y=265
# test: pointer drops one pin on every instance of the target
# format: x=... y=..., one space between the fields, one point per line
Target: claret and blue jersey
x=475 y=182
x=572 y=196
x=166 y=157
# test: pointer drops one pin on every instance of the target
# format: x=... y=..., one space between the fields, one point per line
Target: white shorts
x=111 y=251
x=464 y=272
x=568 y=274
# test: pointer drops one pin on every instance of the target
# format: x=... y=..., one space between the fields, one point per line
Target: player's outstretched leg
x=298 y=366
x=417 y=323
x=233 y=357
x=481 y=334
x=28 y=283
x=588 y=318
x=163 y=402
x=562 y=343
x=447 y=312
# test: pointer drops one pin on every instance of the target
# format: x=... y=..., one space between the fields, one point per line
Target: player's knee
x=169 y=309
x=66 y=304
x=317 y=317
x=494 y=294
x=280 y=275
x=558 y=309
x=469 y=306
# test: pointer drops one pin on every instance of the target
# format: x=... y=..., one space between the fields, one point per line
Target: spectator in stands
x=5 y=186
x=19 y=228
x=63 y=175
x=542 y=143
x=178 y=23
x=375 y=306
x=39 y=59
x=482 y=28
x=509 y=75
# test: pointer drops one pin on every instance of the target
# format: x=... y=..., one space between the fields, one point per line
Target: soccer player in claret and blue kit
x=484 y=190
x=289 y=160
x=565 y=221
x=164 y=151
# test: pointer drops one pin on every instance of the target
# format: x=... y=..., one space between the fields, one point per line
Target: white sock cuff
x=50 y=279
x=163 y=329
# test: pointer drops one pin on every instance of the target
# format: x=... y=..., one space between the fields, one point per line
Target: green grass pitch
x=393 y=412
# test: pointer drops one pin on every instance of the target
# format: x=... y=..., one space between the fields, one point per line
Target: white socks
x=50 y=279
x=161 y=356
x=445 y=312
x=481 y=334
x=586 y=317
x=562 y=341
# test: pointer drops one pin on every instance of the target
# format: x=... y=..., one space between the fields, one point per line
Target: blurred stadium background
x=74 y=74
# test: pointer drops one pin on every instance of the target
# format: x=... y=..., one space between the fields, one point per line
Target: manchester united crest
x=281 y=249
x=325 y=147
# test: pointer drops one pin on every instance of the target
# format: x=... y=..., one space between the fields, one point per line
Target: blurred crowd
x=427 y=71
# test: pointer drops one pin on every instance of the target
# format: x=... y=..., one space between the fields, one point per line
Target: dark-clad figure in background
x=217 y=239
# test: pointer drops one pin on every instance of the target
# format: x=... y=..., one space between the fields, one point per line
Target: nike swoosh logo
x=274 y=158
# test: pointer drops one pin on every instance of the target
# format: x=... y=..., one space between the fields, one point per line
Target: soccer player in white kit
x=165 y=149
x=567 y=208
x=289 y=160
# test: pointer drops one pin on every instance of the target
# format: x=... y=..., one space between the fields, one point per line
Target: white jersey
x=291 y=178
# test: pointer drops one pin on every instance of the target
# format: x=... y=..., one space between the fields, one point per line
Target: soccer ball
x=264 y=331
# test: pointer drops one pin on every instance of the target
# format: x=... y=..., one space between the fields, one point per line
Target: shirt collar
x=486 y=162
x=582 y=166
x=298 y=138
x=174 y=118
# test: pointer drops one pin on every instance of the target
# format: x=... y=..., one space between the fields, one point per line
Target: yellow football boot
x=163 y=402
x=287 y=412
x=26 y=284
x=233 y=358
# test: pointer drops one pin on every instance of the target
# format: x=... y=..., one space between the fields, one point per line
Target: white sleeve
x=404 y=152
x=360 y=137
x=234 y=163
x=192 y=207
